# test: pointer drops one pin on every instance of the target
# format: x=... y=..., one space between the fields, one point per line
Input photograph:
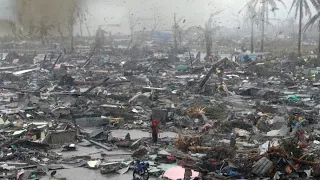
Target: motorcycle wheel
x=143 y=175
x=135 y=174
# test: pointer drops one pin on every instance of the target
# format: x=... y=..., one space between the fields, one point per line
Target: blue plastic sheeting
x=161 y=35
x=250 y=56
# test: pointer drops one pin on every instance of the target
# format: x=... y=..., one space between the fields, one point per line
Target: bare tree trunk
x=263 y=24
x=72 y=40
x=80 y=26
x=31 y=28
x=266 y=16
x=131 y=33
x=208 y=42
x=208 y=36
x=155 y=20
x=132 y=25
x=13 y=28
x=300 y=27
x=60 y=31
x=131 y=40
x=319 y=48
x=180 y=38
x=252 y=36
x=318 y=55
x=42 y=40
x=42 y=31
x=88 y=30
x=71 y=21
x=190 y=60
x=175 y=34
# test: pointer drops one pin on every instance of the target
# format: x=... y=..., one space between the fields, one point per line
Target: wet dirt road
x=83 y=173
x=89 y=174
x=137 y=134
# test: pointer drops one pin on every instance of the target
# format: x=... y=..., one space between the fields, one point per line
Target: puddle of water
x=92 y=174
x=137 y=134
x=93 y=152
x=85 y=173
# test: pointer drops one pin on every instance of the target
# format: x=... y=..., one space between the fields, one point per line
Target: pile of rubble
x=222 y=120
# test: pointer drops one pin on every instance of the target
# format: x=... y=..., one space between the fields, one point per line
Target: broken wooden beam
x=95 y=85
x=100 y=145
x=55 y=62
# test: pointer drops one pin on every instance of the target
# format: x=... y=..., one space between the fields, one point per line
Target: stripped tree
x=302 y=8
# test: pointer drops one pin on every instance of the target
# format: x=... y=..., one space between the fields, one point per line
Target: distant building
x=157 y=35
x=163 y=35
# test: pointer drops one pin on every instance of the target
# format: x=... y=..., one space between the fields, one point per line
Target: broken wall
x=160 y=115
x=90 y=121
x=60 y=137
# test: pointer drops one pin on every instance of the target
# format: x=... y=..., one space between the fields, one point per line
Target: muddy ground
x=95 y=152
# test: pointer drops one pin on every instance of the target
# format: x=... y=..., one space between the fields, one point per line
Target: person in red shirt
x=154 y=131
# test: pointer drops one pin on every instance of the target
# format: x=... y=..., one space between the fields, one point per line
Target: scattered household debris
x=247 y=117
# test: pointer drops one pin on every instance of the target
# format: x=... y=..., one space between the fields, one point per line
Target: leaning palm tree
x=315 y=19
x=302 y=8
x=253 y=19
x=264 y=12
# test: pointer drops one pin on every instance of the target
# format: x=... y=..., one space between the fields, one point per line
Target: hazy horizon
x=195 y=13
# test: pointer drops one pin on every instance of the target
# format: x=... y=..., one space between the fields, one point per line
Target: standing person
x=154 y=131
x=187 y=174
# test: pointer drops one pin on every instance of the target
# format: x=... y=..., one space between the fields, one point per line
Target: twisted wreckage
x=223 y=120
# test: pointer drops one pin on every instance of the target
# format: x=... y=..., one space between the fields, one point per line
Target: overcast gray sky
x=196 y=12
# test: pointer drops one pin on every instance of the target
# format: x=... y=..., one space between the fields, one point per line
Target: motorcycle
x=141 y=170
